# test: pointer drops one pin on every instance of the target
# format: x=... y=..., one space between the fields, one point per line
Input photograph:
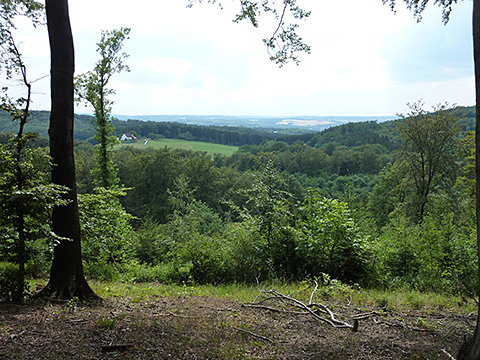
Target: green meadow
x=183 y=144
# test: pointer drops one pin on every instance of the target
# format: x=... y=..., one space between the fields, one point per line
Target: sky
x=365 y=60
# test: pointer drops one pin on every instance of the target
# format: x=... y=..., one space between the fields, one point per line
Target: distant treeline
x=350 y=135
x=83 y=130
x=225 y=135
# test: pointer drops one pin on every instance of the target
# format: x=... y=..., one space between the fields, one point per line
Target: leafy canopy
x=91 y=88
x=417 y=6
x=9 y=10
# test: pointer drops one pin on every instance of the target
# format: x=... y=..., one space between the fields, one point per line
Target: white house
x=128 y=137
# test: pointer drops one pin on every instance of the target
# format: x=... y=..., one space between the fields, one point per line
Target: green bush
x=246 y=252
x=434 y=255
x=329 y=241
x=9 y=281
x=205 y=257
x=152 y=242
x=138 y=273
x=101 y=271
x=105 y=226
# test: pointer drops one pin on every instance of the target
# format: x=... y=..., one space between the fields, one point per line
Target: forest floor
x=190 y=326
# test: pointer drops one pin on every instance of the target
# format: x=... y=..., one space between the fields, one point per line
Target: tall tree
x=66 y=277
x=429 y=144
x=471 y=348
x=26 y=196
x=91 y=87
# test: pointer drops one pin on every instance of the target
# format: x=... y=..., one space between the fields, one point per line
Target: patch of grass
x=106 y=322
x=412 y=300
x=368 y=298
x=209 y=148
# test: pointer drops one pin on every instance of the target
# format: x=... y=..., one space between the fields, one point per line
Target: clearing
x=209 y=148
x=161 y=324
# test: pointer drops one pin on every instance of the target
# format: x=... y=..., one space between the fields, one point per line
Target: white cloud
x=365 y=60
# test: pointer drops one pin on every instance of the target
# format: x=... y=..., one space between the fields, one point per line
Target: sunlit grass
x=242 y=293
x=209 y=148
x=234 y=292
x=414 y=300
x=363 y=298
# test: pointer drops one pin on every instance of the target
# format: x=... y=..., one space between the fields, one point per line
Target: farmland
x=209 y=148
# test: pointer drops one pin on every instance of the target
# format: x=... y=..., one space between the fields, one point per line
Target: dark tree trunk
x=470 y=350
x=66 y=277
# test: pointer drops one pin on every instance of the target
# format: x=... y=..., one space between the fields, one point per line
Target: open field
x=184 y=144
x=153 y=321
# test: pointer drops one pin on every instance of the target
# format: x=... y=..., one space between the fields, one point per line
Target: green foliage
x=9 y=11
x=38 y=122
x=434 y=255
x=26 y=196
x=9 y=284
x=197 y=253
x=465 y=182
x=91 y=87
x=419 y=6
x=105 y=227
x=330 y=288
x=26 y=201
x=269 y=209
x=152 y=242
x=247 y=251
x=386 y=195
x=427 y=155
x=329 y=241
x=204 y=257
x=356 y=134
x=84 y=164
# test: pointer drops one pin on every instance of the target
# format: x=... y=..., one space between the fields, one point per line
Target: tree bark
x=470 y=350
x=67 y=279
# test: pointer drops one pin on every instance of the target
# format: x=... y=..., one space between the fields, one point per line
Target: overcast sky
x=365 y=59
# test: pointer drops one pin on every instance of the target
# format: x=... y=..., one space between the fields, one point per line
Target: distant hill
x=38 y=122
x=304 y=123
x=316 y=131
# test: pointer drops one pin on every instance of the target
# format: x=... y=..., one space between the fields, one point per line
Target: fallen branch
x=286 y=300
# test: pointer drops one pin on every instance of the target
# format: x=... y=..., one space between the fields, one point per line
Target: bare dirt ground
x=194 y=327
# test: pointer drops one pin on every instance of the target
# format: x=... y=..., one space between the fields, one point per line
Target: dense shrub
x=9 y=281
x=105 y=227
x=329 y=241
x=433 y=255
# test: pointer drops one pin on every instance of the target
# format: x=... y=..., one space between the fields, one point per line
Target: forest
x=152 y=251
x=383 y=205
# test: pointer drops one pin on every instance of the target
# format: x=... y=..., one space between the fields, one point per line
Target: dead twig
x=115 y=347
x=313 y=293
x=364 y=316
x=255 y=335
x=264 y=307
x=448 y=355
x=13 y=336
x=401 y=325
